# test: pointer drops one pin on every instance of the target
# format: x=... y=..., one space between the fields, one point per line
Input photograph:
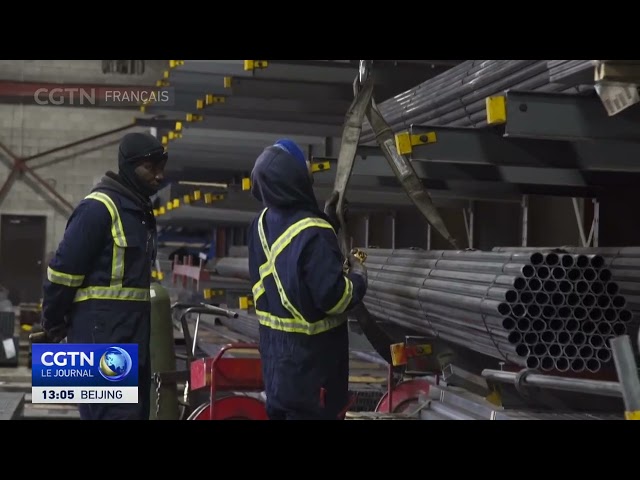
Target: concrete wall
x=76 y=71
x=30 y=129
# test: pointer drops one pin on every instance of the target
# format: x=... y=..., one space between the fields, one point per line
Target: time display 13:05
x=60 y=395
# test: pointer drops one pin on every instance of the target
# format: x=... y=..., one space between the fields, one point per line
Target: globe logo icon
x=115 y=364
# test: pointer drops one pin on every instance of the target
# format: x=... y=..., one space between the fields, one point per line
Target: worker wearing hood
x=98 y=281
x=300 y=290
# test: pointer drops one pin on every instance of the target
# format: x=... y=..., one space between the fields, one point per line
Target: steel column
x=525 y=220
x=579 y=219
x=393 y=230
x=468 y=213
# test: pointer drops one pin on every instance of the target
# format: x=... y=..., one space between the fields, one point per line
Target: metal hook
x=364 y=70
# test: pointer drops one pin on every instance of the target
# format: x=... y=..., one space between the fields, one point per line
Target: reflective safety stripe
x=108 y=293
x=115 y=290
x=65 y=279
x=343 y=303
x=296 y=324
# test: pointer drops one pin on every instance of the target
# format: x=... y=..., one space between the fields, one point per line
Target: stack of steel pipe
x=624 y=263
x=246 y=324
x=235 y=267
x=457 y=97
x=546 y=310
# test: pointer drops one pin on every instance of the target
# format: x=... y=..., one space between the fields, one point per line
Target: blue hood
x=278 y=180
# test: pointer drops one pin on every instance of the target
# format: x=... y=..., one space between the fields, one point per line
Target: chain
x=158 y=380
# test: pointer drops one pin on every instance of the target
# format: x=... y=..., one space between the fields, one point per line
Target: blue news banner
x=84 y=373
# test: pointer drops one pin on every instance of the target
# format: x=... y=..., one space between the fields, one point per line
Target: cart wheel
x=200 y=413
x=405 y=396
x=232 y=408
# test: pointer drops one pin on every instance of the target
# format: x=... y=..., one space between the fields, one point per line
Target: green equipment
x=164 y=395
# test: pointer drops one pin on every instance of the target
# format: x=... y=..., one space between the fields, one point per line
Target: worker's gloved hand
x=357 y=267
x=330 y=211
x=48 y=336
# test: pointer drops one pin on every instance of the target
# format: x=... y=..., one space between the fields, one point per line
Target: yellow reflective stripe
x=295 y=326
x=284 y=240
x=343 y=303
x=117 y=231
x=65 y=279
x=257 y=290
x=269 y=267
x=108 y=293
x=119 y=238
x=115 y=291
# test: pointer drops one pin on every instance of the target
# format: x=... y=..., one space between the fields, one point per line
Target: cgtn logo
x=115 y=364
x=85 y=373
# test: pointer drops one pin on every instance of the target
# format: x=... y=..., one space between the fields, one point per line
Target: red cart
x=235 y=385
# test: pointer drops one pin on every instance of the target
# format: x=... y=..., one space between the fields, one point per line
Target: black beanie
x=136 y=145
x=133 y=148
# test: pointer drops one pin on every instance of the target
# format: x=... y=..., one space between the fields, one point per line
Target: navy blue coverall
x=98 y=283
x=300 y=294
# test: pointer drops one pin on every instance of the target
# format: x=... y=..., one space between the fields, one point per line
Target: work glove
x=331 y=212
x=356 y=265
x=48 y=336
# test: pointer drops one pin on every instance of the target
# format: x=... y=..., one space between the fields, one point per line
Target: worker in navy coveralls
x=97 y=288
x=300 y=290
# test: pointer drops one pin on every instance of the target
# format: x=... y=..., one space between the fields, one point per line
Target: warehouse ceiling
x=229 y=111
x=224 y=112
x=218 y=115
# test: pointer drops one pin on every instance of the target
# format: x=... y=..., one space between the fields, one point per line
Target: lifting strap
x=405 y=173
x=364 y=105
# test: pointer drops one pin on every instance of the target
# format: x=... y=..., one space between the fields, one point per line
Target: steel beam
x=191 y=131
x=215 y=67
x=304 y=73
x=487 y=146
x=205 y=145
x=232 y=165
x=559 y=179
x=559 y=116
x=204 y=151
x=324 y=72
x=200 y=216
x=375 y=172
x=277 y=127
x=247 y=114
x=314 y=106
x=177 y=170
x=332 y=73
x=257 y=87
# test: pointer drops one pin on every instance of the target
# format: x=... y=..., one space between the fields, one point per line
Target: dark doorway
x=22 y=246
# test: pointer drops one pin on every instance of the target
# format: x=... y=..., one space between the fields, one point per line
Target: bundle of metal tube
x=236 y=267
x=536 y=309
x=624 y=263
x=246 y=324
x=457 y=96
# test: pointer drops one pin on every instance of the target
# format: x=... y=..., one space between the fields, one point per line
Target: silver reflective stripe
x=65 y=279
x=295 y=326
x=109 y=293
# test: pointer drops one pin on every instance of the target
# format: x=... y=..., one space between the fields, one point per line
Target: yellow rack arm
x=245 y=302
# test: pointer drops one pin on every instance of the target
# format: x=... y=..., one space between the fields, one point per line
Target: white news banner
x=84 y=394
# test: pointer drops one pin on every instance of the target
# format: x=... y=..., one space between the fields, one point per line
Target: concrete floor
x=18 y=380
x=368 y=379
